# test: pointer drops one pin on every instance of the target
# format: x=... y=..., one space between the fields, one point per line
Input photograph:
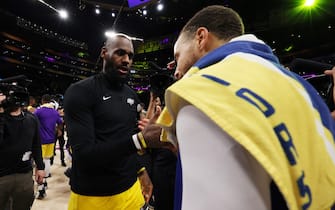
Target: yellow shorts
x=131 y=199
x=48 y=150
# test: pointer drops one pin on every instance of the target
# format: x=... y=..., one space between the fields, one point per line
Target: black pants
x=17 y=191
x=61 y=142
x=163 y=178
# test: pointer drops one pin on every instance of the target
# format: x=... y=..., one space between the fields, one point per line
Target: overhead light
x=145 y=12
x=110 y=33
x=309 y=3
x=113 y=33
x=63 y=14
x=97 y=11
x=160 y=7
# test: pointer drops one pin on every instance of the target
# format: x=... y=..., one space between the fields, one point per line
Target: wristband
x=142 y=141
x=139 y=172
x=136 y=142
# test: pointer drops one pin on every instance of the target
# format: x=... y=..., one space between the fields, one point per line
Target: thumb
x=156 y=114
x=328 y=72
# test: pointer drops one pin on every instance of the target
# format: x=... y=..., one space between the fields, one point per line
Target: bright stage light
x=63 y=14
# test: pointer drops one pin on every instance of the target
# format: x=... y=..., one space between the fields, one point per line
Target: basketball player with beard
x=101 y=116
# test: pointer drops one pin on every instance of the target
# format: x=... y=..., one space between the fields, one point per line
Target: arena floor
x=58 y=191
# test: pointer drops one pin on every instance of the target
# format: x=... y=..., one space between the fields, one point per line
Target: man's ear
x=202 y=37
x=103 y=52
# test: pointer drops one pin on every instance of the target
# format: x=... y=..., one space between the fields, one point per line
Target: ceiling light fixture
x=160 y=7
x=62 y=12
x=112 y=33
x=97 y=11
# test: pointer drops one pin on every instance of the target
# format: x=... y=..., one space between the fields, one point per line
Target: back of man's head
x=223 y=22
x=46 y=98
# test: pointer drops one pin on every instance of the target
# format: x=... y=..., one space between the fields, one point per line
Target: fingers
x=171 y=65
x=158 y=110
x=39 y=179
x=142 y=123
x=156 y=114
x=141 y=127
x=146 y=198
x=330 y=71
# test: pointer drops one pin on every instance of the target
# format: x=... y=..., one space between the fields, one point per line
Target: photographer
x=19 y=141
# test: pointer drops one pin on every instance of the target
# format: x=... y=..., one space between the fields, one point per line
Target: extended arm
x=37 y=153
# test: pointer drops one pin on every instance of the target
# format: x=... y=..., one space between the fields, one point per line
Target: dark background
x=53 y=52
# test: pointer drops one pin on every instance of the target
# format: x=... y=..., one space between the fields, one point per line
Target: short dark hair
x=46 y=98
x=222 y=21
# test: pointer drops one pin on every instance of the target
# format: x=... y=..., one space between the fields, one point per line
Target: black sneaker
x=41 y=194
x=45 y=185
x=67 y=172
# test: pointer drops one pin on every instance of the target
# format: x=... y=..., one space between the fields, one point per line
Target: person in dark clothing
x=60 y=138
x=163 y=178
x=101 y=114
x=163 y=164
x=19 y=141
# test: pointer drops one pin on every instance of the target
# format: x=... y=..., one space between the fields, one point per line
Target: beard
x=113 y=75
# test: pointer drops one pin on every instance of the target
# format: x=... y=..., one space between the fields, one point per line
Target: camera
x=16 y=95
x=160 y=80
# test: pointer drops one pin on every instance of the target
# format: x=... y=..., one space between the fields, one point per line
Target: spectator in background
x=60 y=137
x=19 y=142
x=163 y=164
x=32 y=104
x=50 y=124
